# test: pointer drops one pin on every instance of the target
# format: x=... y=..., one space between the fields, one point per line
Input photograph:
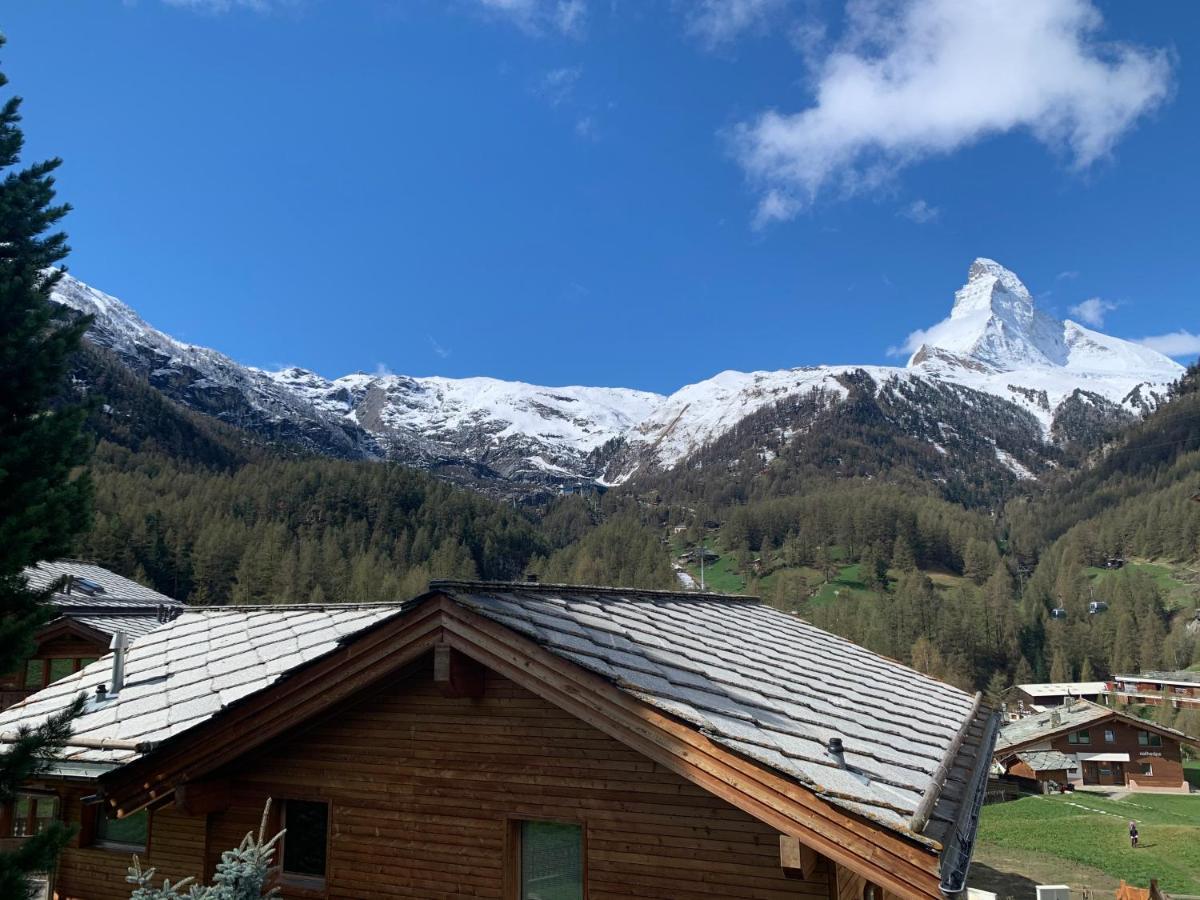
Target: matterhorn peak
x=992 y=288
x=994 y=325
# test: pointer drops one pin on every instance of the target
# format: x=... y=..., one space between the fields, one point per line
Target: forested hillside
x=971 y=595
x=862 y=528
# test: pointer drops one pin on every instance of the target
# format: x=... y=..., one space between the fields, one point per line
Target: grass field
x=1091 y=830
x=1179 y=585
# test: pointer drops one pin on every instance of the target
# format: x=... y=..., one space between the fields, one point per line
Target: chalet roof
x=770 y=687
x=1184 y=677
x=763 y=684
x=1072 y=717
x=120 y=604
x=1047 y=760
x=1062 y=688
x=188 y=670
x=1044 y=724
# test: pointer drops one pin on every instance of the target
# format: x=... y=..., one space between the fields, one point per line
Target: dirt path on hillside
x=1014 y=874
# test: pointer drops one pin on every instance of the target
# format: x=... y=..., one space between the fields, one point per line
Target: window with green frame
x=32 y=814
x=130 y=832
x=550 y=861
x=1083 y=736
x=1149 y=739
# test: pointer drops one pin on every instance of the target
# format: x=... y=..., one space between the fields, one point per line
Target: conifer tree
x=42 y=507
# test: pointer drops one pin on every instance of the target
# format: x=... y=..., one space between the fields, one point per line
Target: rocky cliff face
x=996 y=359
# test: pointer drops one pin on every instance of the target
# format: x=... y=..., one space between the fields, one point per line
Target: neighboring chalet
x=92 y=605
x=1023 y=699
x=1180 y=689
x=521 y=741
x=1085 y=743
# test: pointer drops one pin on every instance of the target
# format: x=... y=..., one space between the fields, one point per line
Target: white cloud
x=1068 y=275
x=585 y=127
x=1092 y=311
x=921 y=212
x=540 y=16
x=912 y=343
x=223 y=6
x=437 y=348
x=1177 y=343
x=717 y=22
x=913 y=79
x=557 y=85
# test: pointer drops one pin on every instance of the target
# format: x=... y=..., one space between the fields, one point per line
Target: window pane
x=131 y=830
x=551 y=861
x=34 y=674
x=61 y=668
x=20 y=825
x=45 y=810
x=304 y=843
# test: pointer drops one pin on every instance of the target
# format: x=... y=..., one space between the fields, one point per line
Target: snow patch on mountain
x=994 y=341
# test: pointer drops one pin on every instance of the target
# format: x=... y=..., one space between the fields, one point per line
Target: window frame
x=96 y=840
x=8 y=814
x=512 y=850
x=1149 y=739
x=1080 y=737
x=1110 y=736
x=298 y=880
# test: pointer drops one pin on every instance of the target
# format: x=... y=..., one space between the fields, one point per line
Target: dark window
x=33 y=813
x=35 y=674
x=551 y=855
x=1145 y=769
x=1079 y=737
x=1149 y=739
x=1110 y=736
x=61 y=668
x=128 y=832
x=307 y=825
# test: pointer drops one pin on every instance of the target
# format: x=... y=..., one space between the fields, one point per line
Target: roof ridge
x=291 y=607
x=543 y=586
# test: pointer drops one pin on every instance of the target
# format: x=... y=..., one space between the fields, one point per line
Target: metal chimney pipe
x=119 y=645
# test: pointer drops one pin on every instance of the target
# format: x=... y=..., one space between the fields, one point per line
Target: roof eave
x=956 y=856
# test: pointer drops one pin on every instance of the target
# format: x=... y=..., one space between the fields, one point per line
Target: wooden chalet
x=519 y=741
x=1103 y=746
x=91 y=604
x=1180 y=689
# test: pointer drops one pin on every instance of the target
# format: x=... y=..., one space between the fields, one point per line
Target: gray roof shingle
x=120 y=605
x=190 y=669
x=767 y=685
x=762 y=683
x=1047 y=760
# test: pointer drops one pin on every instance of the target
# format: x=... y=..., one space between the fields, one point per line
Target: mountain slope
x=1067 y=384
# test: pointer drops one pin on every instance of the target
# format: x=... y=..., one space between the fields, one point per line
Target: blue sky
x=608 y=191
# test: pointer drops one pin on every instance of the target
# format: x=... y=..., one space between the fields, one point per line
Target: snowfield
x=994 y=341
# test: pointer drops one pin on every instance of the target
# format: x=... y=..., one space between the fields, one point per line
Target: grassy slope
x=723 y=576
x=1092 y=829
x=1179 y=584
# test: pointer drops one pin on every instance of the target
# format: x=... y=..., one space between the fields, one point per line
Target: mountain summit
x=994 y=322
x=997 y=371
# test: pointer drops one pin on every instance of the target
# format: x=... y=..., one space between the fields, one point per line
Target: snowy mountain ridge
x=995 y=342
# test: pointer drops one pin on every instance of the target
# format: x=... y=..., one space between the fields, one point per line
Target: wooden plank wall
x=176 y=849
x=422 y=787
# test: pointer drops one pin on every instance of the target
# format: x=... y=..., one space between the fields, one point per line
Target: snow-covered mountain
x=1052 y=378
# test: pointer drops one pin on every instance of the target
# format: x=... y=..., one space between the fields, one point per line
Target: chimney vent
x=837 y=751
x=101 y=692
x=119 y=646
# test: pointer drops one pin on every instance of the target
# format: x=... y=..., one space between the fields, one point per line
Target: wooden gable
x=853 y=843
